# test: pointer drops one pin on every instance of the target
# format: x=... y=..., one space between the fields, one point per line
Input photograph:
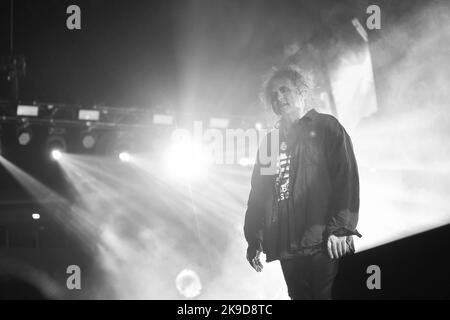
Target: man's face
x=286 y=99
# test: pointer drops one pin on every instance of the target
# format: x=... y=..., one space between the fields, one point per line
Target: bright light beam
x=56 y=154
x=124 y=156
x=187 y=161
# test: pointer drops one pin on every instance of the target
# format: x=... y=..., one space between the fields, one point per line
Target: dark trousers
x=310 y=277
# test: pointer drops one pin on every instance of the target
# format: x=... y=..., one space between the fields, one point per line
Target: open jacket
x=323 y=188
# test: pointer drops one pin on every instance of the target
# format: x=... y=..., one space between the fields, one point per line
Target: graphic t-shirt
x=283 y=169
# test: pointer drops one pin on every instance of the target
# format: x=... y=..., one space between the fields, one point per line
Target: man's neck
x=288 y=120
x=286 y=124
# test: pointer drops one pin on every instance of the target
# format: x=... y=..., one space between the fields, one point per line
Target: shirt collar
x=311 y=114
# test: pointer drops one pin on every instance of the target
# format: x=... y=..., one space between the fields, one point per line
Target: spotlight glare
x=124 y=157
x=187 y=161
x=244 y=162
x=56 y=154
x=55 y=146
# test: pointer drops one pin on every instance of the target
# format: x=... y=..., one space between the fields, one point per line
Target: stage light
x=124 y=156
x=88 y=139
x=220 y=123
x=36 y=216
x=244 y=162
x=353 y=86
x=24 y=136
x=123 y=145
x=56 y=146
x=162 y=119
x=89 y=115
x=56 y=154
x=188 y=161
x=27 y=111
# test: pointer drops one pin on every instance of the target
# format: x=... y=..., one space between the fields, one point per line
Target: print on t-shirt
x=282 y=180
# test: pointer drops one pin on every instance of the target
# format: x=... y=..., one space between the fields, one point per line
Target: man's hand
x=337 y=247
x=253 y=257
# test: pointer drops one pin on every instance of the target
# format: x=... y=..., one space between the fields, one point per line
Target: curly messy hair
x=301 y=79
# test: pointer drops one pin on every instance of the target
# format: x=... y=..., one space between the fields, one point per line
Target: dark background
x=155 y=53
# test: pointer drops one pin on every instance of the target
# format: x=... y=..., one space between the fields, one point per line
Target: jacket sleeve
x=344 y=178
x=254 y=216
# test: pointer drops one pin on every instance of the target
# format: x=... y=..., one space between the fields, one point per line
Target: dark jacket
x=323 y=188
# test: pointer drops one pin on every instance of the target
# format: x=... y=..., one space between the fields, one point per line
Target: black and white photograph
x=236 y=151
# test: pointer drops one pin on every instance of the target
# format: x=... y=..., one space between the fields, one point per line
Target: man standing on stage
x=305 y=212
